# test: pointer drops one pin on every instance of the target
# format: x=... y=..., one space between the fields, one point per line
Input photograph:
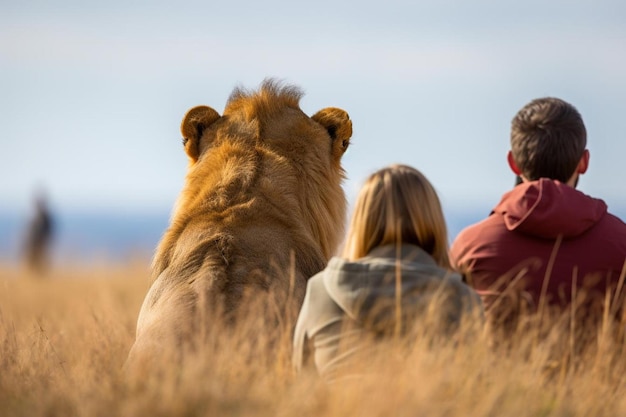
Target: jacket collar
x=408 y=252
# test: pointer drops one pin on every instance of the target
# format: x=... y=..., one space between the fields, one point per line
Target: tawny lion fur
x=262 y=210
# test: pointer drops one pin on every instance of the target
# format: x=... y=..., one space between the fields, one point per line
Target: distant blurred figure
x=39 y=236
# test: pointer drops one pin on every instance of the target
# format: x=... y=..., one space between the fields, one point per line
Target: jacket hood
x=366 y=290
x=548 y=208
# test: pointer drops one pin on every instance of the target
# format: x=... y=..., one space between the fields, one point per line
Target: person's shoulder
x=614 y=220
x=612 y=227
x=316 y=283
x=473 y=237
x=462 y=294
x=317 y=278
x=475 y=230
x=464 y=290
x=334 y=267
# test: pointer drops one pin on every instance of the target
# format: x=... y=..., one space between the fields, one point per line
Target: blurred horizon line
x=90 y=235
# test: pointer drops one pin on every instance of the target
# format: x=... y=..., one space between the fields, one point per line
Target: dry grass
x=63 y=341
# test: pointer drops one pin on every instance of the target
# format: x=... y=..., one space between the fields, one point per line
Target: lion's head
x=262 y=203
x=262 y=172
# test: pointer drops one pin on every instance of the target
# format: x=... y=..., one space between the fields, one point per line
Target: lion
x=262 y=210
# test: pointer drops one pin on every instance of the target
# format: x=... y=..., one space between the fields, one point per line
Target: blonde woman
x=394 y=275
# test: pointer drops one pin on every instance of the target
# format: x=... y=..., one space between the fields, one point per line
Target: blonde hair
x=397 y=204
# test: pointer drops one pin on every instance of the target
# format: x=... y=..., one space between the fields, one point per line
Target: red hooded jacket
x=543 y=237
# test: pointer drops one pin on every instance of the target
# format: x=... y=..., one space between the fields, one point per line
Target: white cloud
x=442 y=78
x=50 y=45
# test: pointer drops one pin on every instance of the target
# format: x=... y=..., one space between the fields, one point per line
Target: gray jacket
x=348 y=302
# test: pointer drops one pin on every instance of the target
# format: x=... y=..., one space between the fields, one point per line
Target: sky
x=92 y=93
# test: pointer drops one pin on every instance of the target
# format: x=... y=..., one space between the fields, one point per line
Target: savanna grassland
x=64 y=340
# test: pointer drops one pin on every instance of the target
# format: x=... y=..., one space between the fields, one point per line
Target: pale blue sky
x=92 y=93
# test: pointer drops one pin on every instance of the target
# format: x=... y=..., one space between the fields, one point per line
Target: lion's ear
x=196 y=120
x=339 y=127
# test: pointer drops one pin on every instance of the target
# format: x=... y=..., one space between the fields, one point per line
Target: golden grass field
x=64 y=339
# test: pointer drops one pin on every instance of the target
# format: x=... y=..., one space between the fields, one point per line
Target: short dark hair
x=548 y=138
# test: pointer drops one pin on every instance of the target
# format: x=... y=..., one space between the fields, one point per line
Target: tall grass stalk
x=64 y=339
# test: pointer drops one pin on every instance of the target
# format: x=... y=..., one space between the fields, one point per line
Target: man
x=545 y=243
